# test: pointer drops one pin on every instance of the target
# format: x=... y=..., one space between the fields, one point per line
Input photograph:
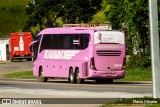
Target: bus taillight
x=92 y=64
x=124 y=63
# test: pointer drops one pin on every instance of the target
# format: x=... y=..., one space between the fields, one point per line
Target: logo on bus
x=58 y=54
x=109 y=46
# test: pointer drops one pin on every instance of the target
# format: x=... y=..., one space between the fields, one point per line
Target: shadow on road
x=94 y=82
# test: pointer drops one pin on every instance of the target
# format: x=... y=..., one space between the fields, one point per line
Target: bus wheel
x=71 y=76
x=42 y=78
x=78 y=78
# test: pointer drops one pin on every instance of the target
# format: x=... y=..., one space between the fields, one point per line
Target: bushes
x=138 y=74
x=137 y=61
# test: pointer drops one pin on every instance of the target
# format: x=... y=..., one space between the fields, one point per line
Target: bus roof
x=69 y=30
x=60 y=30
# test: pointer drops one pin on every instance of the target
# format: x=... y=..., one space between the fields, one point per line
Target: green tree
x=80 y=11
x=44 y=13
x=133 y=17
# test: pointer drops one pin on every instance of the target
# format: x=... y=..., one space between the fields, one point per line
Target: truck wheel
x=42 y=78
x=78 y=78
x=12 y=60
x=71 y=76
x=29 y=59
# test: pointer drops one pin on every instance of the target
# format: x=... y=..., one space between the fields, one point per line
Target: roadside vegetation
x=136 y=74
x=22 y=75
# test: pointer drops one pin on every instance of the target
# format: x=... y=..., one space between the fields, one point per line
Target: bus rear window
x=65 y=41
x=116 y=37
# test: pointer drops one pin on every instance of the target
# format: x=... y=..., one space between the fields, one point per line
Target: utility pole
x=155 y=56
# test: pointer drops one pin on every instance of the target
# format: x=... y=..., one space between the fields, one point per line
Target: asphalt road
x=88 y=92
x=61 y=88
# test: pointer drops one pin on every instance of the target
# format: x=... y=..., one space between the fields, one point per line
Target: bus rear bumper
x=107 y=75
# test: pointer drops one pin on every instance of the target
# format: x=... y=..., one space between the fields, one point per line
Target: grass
x=138 y=74
x=22 y=74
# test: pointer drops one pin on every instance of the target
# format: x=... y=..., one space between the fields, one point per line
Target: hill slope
x=12 y=16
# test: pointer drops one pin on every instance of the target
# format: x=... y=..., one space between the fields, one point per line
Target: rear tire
x=78 y=78
x=41 y=74
x=12 y=60
x=29 y=59
x=71 y=76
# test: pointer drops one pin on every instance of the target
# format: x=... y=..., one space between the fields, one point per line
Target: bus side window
x=67 y=41
x=80 y=41
x=85 y=41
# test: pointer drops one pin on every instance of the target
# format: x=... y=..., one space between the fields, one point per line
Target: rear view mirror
x=31 y=46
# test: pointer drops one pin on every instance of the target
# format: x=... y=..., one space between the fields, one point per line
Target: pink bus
x=79 y=53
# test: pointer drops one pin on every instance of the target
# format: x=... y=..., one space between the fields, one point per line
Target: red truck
x=19 y=46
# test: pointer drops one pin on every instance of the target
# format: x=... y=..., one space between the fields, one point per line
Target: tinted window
x=65 y=41
x=52 y=42
x=80 y=41
x=36 y=46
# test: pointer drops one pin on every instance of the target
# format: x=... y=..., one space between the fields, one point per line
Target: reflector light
x=92 y=64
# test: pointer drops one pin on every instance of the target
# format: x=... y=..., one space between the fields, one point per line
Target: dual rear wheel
x=75 y=77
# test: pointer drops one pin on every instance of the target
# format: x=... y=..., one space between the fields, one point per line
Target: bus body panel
x=56 y=63
x=109 y=59
x=106 y=75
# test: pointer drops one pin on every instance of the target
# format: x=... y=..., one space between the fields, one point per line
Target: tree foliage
x=44 y=13
x=12 y=16
x=133 y=17
x=80 y=11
